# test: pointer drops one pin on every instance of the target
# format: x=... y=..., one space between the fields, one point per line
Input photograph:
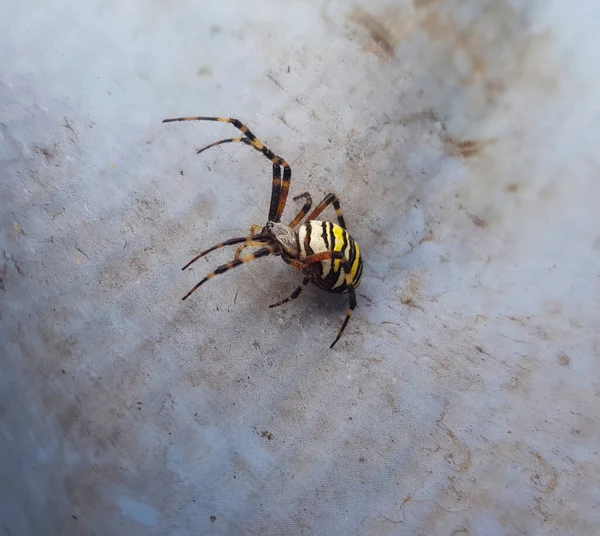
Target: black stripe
x=331 y=235
x=307 y=248
x=334 y=274
x=345 y=241
x=324 y=234
x=352 y=254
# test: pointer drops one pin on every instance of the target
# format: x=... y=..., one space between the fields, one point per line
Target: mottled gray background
x=462 y=138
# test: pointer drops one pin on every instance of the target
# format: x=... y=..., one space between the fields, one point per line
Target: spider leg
x=254 y=243
x=303 y=210
x=280 y=188
x=243 y=239
x=329 y=199
x=294 y=294
x=254 y=231
x=221 y=142
x=226 y=267
x=345 y=265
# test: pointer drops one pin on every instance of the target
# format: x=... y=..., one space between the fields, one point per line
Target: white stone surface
x=462 y=138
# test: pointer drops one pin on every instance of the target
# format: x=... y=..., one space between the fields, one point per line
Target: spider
x=323 y=251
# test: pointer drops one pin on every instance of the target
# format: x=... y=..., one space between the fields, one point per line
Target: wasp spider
x=323 y=251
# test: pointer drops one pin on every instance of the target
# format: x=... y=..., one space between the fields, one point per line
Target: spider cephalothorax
x=323 y=251
x=285 y=237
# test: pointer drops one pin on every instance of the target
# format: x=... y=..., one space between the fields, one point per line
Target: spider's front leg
x=280 y=186
x=254 y=231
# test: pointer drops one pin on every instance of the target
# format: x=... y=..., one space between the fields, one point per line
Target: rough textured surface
x=462 y=138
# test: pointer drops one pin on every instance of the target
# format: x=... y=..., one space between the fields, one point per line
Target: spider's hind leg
x=345 y=265
x=293 y=295
x=330 y=199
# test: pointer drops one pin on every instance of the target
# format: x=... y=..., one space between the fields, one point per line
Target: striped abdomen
x=321 y=236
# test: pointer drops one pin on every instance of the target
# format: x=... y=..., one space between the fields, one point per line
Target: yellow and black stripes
x=280 y=187
x=321 y=236
x=270 y=250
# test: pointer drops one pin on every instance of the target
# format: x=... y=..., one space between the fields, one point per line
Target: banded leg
x=333 y=255
x=226 y=267
x=329 y=199
x=280 y=188
x=294 y=294
x=254 y=231
x=304 y=210
x=246 y=240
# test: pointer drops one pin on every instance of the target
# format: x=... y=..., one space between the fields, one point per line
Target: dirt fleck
x=409 y=302
x=67 y=124
x=411 y=293
x=428 y=238
x=205 y=71
x=427 y=115
x=362 y=459
x=478 y=221
x=49 y=152
x=422 y=3
x=382 y=239
x=548 y=191
x=463 y=148
x=512 y=188
x=564 y=360
x=266 y=435
x=139 y=265
x=460 y=457
x=213 y=518
x=382 y=43
x=283 y=120
x=546 y=479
